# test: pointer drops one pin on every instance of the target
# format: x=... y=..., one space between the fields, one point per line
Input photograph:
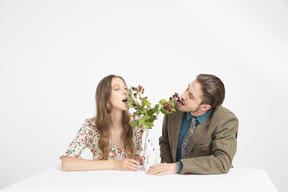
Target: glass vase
x=149 y=151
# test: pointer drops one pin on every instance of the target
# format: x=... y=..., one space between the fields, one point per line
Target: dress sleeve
x=138 y=133
x=80 y=142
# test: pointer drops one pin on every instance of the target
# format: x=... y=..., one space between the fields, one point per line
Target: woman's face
x=119 y=94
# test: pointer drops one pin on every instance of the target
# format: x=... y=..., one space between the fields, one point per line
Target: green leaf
x=145 y=102
x=171 y=103
x=135 y=123
x=154 y=117
x=142 y=120
x=162 y=101
x=141 y=110
x=155 y=109
x=165 y=112
x=129 y=102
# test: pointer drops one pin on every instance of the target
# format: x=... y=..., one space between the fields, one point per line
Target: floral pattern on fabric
x=88 y=136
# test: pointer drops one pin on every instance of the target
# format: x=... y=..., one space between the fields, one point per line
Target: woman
x=114 y=143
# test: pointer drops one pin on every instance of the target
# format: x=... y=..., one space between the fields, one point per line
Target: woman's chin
x=125 y=108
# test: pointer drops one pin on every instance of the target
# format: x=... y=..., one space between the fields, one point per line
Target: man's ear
x=206 y=107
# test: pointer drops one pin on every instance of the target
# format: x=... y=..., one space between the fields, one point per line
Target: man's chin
x=181 y=108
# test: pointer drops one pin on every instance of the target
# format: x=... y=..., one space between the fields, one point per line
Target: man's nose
x=183 y=96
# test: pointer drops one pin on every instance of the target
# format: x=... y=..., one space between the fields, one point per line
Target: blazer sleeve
x=165 y=152
x=224 y=144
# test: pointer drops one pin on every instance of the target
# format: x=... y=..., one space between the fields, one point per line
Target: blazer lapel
x=176 y=123
x=200 y=130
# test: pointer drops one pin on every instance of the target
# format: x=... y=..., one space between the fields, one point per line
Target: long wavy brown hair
x=103 y=119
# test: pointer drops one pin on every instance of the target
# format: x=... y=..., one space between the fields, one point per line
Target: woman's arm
x=76 y=164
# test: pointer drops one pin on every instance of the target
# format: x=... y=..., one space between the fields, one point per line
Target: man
x=201 y=136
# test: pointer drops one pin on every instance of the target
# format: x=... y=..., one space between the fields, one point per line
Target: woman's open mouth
x=124 y=100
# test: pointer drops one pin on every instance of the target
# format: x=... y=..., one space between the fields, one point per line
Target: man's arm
x=224 y=146
x=165 y=153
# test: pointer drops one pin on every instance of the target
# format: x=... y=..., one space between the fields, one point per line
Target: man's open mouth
x=181 y=102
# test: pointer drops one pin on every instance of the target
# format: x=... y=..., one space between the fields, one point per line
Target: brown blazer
x=211 y=148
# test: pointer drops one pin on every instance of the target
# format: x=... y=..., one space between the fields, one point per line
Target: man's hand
x=163 y=169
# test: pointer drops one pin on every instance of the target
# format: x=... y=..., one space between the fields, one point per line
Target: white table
x=55 y=180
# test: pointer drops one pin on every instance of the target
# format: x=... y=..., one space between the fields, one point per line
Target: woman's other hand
x=139 y=158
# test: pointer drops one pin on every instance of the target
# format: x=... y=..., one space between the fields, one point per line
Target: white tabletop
x=56 y=180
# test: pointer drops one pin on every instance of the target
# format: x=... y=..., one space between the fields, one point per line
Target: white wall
x=54 y=53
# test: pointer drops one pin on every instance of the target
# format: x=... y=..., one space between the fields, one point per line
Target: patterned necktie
x=187 y=137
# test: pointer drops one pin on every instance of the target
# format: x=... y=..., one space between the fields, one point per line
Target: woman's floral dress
x=88 y=136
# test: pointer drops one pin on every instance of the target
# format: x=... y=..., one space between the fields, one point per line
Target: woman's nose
x=125 y=92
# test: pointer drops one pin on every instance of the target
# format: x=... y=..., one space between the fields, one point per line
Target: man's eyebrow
x=190 y=92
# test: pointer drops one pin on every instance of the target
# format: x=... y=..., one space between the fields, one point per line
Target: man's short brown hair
x=213 y=89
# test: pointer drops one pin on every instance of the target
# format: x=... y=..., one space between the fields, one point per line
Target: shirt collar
x=200 y=118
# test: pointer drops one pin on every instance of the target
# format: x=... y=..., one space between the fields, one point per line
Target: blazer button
x=203 y=149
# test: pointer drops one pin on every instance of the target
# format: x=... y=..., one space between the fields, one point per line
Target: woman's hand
x=139 y=158
x=127 y=165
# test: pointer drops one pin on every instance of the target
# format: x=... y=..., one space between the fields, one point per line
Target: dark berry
x=170 y=98
x=165 y=107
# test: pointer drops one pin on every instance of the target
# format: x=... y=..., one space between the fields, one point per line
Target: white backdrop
x=54 y=53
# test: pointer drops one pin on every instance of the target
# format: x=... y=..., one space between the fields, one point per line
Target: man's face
x=191 y=99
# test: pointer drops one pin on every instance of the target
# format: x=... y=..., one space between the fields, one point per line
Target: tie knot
x=193 y=119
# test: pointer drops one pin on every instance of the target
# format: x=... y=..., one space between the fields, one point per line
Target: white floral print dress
x=88 y=136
